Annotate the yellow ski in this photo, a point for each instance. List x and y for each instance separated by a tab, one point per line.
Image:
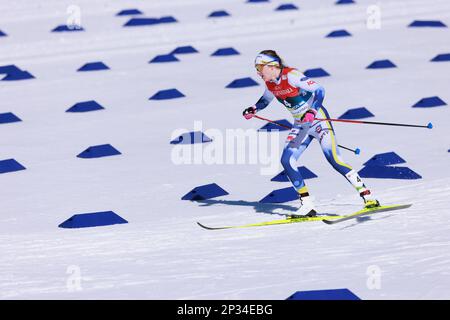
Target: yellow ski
274	222
368	211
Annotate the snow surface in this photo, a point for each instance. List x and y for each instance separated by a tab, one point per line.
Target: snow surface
162	253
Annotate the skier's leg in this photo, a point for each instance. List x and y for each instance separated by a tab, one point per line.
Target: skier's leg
329	145
297	142
291	154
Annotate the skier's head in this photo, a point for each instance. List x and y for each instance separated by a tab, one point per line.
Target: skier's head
268	65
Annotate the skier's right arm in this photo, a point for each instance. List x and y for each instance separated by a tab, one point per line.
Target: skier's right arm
263	102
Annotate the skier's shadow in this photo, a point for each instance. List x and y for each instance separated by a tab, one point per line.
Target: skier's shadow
364	219
266	208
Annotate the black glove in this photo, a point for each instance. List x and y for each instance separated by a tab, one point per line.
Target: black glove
249	112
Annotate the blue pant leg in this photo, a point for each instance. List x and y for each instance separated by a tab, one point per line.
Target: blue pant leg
329	145
291	154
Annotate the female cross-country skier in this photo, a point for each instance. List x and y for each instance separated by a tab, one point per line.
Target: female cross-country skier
303	97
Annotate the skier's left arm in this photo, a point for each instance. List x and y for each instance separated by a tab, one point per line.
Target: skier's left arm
299	80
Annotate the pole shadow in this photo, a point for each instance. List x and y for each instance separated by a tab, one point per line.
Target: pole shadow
266	208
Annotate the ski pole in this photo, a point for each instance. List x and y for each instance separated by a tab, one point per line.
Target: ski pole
428	126
356	151
274	122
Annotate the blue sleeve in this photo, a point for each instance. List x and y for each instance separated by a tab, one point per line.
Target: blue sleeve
264	101
319	95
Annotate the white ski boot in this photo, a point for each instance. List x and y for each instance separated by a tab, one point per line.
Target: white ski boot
355	180
307	208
